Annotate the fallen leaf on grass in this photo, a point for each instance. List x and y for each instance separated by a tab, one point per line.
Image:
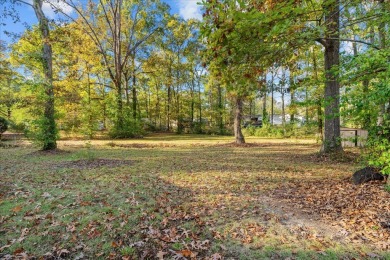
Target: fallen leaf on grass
216	257
63	253
160	255
18	250
17	209
186	253
46	195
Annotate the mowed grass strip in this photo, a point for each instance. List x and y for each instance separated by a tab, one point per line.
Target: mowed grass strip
170	196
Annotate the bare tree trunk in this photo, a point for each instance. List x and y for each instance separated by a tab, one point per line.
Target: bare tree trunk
332	142
237	121
50	131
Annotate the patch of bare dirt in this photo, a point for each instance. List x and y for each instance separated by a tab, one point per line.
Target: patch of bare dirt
345	156
133	145
12	136
362	213
86	164
48	152
233	144
8	145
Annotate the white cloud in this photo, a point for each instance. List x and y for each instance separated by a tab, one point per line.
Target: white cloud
49	11
189	9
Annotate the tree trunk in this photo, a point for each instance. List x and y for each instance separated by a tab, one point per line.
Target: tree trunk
332	142
306	106
118	64
272	99
365	83
237	121
292	97
169	109
382	44
265	116
135	100
220	108
119	106
127	88
250	107
90	119
104	110
192	100
10	100
320	123
50	131
200	103
283	110
134	90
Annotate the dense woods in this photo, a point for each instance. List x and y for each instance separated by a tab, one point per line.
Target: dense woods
125	68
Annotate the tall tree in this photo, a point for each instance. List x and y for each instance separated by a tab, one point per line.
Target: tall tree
331	43
104	23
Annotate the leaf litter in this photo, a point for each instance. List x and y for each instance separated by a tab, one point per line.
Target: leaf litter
184	202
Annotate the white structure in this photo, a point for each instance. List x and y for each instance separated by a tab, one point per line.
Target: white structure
353	137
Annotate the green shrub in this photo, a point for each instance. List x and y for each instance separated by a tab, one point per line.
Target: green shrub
18	127
249	130
270	131
197	127
215	130
379	154
39	131
3	125
277	131
130	129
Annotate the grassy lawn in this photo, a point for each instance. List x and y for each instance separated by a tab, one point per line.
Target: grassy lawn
169	197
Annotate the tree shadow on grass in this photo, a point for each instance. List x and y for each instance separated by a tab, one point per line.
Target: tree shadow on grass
178	202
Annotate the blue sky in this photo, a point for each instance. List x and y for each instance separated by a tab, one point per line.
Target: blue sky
185	8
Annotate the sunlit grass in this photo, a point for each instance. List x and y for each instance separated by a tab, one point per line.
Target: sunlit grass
106	210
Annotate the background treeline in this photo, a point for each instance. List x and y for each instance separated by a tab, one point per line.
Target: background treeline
126	68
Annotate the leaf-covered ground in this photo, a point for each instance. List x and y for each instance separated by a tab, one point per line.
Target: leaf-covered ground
188	197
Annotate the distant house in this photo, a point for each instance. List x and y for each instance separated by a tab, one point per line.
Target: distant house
253	120
353	137
277	120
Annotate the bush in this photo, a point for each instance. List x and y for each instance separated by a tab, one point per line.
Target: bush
39	132
197	127
130	129
249	130
3	125
277	131
18	127
379	154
